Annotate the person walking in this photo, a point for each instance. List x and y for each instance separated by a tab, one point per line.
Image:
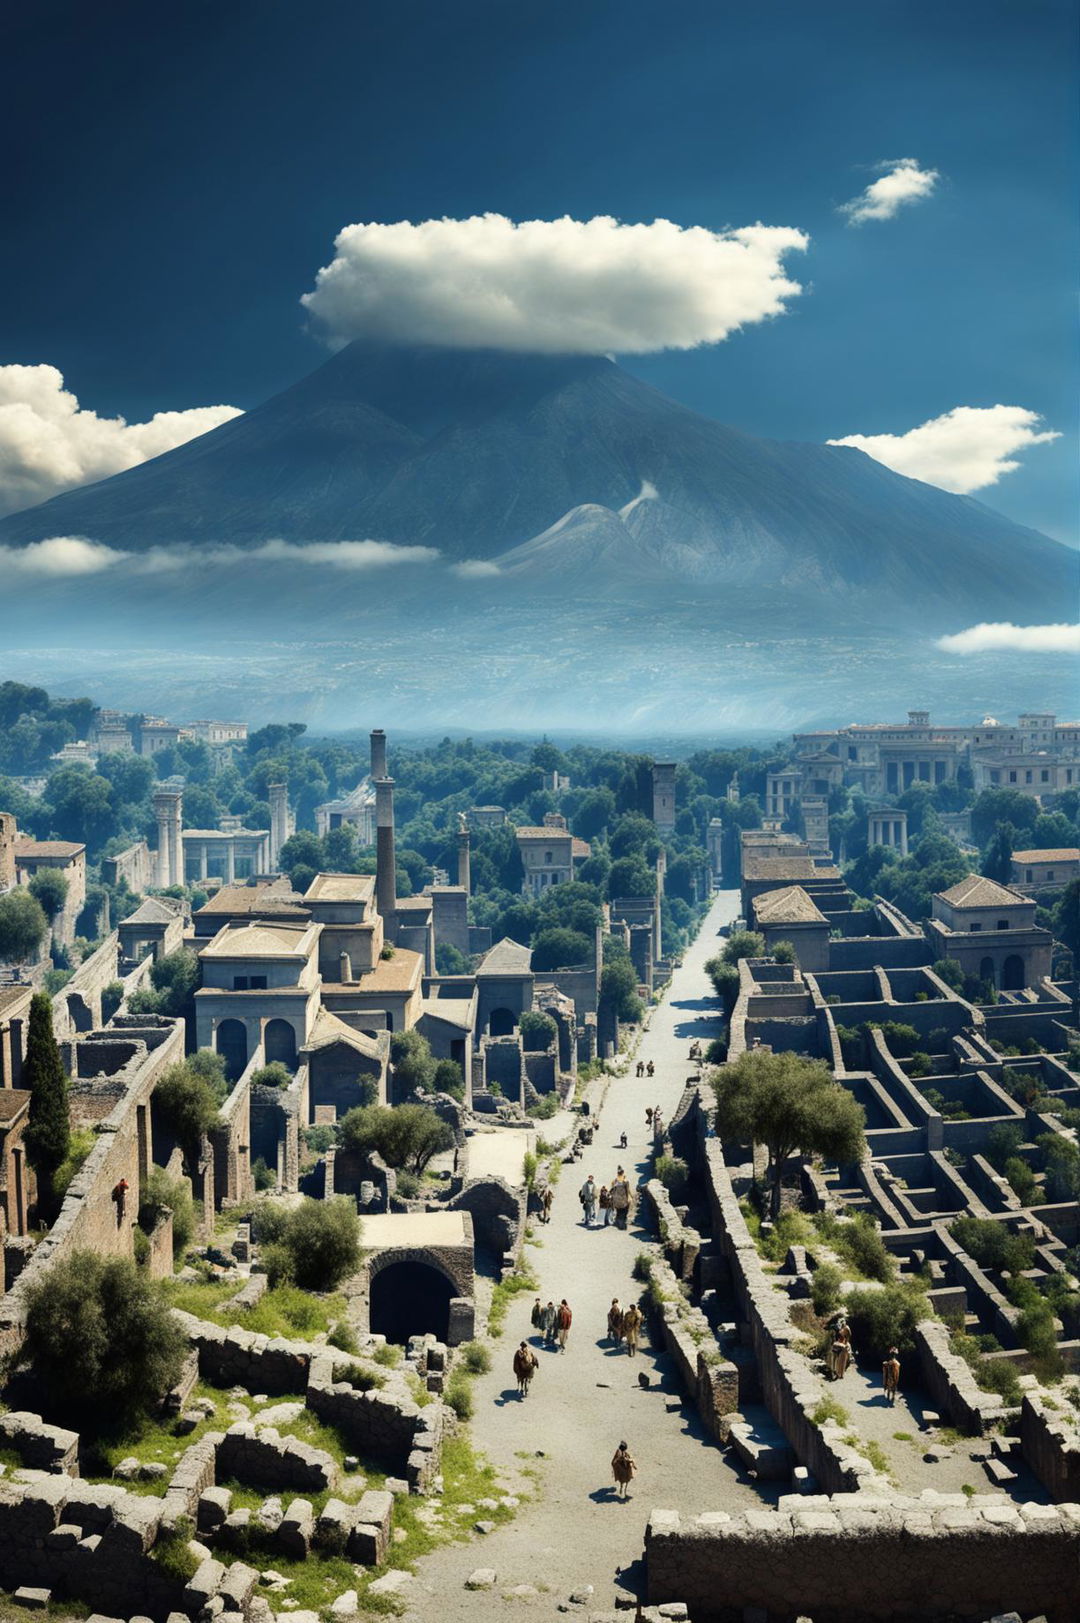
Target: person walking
536	1317
564	1320
549	1321
650	1069
615	1321
840	1350
547	1200
631	1328
623	1469
525	1366
604	1202
619	1196
890	1376
587	1196
648	1114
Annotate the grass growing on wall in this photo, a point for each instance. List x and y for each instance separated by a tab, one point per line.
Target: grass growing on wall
516	1284
284	1311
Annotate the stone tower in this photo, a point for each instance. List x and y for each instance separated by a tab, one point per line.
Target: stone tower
663	796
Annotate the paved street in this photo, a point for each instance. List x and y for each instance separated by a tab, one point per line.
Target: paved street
585	1400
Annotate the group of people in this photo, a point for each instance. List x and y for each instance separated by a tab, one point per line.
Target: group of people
610	1203
839	1354
624	1325
644	1069
553	1322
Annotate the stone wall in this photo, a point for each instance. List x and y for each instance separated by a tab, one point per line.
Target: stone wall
865	1557
1050	1444
498	1214
231	1139
953	1389
133	866
77	1007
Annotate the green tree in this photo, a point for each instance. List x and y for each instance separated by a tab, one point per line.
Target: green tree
274	1075
189	1105
412	1062
996	806
788	1103
560	949
630	876
1066	918
448	1079
48	1132
406	1137
82	805
323	1241
173	980
997	858
162	1193
743	944
783	953
725	979
537	1029
102	1339
50	888
618	992
23	925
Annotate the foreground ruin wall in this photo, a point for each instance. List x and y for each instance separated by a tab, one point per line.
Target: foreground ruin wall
860	1556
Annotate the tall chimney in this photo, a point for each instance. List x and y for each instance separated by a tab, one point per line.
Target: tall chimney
385	859
378	755
278	795
463	857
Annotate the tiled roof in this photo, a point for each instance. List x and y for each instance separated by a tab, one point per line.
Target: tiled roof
1068	853
507	958
978	891
582	848
154	911
543	834
791	905
790	868
328	1029
47	848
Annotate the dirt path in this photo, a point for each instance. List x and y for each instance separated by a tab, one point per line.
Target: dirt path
585	1400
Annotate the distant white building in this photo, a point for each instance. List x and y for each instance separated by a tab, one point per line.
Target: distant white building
355	810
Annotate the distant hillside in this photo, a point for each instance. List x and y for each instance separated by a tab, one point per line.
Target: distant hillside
534	460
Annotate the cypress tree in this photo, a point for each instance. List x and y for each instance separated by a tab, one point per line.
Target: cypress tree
48	1131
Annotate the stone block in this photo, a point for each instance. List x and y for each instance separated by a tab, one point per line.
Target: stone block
204	1582
999	1472
482	1578
34	1600
294	1536
214	1505
64	1537
333	1525
237	1586
346	1605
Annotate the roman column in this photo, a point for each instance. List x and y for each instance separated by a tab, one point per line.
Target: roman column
385	857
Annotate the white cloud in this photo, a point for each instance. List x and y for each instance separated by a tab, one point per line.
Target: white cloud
967	449
588	287
475	568
70	555
904	182
49	443
1003	636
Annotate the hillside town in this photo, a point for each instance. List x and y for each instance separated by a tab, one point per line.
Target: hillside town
342	1092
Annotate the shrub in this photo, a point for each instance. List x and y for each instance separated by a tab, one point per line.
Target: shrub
476	1357
160	1191
459	1397
80	1144
50	888
102	1338
538	1030
545	1107
269	1220
920	1064
743	944
323	1239
448	1079
341	1337
172	1550
1022	1180
412	1062
725	979
48	1132
262	1176
886	1318
825	1288
23	925
673	1173
277	1260
173	980
112	996
642	1269
320	1138
992	1245
140	1243
408	1185
274	1075
717	1052
1002	1142
783	953
859	1241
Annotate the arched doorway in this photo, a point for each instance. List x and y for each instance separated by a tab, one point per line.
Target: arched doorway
986	972
231	1042
410	1299
279	1043
501	1023
1013	977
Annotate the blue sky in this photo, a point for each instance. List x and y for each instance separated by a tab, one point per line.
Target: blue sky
181	172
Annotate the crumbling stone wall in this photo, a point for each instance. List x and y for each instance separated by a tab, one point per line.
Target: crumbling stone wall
498	1214
231	1140
952	1386
1050	1444
869	1557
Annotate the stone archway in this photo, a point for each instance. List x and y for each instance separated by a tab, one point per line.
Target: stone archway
231	1042
1013	975
279	1043
501	1023
409	1298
